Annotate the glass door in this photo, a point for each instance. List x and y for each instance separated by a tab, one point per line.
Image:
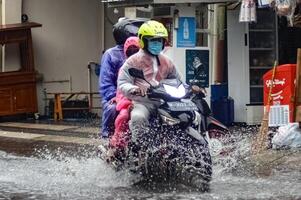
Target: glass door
262	51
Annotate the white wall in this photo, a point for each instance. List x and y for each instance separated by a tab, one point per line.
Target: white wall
69	38
110	19
238	71
11	14
178	54
11	10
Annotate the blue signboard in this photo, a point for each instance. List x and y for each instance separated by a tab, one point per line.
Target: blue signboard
197	67
186	32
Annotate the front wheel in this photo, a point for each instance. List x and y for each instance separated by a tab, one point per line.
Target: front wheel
198	163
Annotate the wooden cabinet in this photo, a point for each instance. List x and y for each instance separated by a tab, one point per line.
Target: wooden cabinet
25	98
17	93
18	99
6	101
18	88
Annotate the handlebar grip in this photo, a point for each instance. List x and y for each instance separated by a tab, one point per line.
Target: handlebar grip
136	93
141	93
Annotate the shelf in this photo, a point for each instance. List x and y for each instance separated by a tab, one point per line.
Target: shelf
261	30
256	103
256	86
260	67
261	49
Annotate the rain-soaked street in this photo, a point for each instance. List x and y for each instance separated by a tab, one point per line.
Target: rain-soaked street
50	173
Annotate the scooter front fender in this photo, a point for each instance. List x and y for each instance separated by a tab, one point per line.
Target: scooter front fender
211	120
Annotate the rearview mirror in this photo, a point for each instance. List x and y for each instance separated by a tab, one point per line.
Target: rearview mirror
137	73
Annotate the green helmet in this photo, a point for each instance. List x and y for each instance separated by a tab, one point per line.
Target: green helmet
151	29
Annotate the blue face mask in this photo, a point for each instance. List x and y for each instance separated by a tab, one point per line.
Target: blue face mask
155	47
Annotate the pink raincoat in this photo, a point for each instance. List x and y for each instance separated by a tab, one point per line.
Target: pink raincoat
123	105
120	137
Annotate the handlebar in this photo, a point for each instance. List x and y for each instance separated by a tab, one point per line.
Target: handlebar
153	93
135	93
138	93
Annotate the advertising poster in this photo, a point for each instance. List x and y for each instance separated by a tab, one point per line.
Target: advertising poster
186	32
197	67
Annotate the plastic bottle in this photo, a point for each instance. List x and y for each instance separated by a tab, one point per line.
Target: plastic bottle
186	29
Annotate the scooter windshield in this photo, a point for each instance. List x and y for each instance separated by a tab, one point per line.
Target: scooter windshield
177	92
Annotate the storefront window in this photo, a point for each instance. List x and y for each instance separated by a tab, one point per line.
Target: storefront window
202	26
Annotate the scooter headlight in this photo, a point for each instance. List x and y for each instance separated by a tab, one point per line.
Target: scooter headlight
177	92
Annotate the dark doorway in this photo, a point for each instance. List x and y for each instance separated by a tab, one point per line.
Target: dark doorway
289	38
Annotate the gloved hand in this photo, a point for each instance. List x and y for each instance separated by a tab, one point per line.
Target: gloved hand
196	90
112	101
138	92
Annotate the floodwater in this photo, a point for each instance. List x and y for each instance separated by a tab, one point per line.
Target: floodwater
51	174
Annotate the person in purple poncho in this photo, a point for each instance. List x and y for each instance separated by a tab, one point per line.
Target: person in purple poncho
111	61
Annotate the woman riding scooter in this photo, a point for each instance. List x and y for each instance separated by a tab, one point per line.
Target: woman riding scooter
156	67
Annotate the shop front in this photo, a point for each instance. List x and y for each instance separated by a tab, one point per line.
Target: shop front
252	50
193	33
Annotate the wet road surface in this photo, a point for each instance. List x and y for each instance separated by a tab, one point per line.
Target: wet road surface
52	173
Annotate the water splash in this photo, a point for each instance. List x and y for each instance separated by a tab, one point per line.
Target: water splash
55	174
234	177
59	176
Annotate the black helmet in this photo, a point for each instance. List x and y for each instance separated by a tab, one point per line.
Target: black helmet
126	28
